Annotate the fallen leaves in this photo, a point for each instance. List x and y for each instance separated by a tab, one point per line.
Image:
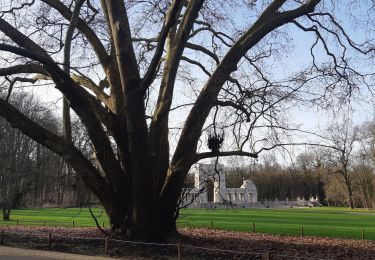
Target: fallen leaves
282	245
248	245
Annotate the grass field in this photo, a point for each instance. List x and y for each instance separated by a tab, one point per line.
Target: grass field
57	217
333	222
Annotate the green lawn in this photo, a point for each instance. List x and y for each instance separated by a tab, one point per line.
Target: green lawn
335	222
56	217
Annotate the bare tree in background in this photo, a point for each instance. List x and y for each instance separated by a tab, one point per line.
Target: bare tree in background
365	164
363	182
344	137
311	170
121	65
20	166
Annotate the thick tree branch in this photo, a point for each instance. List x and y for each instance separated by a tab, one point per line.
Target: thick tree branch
135	135
29	68
125	56
112	72
35	68
67	124
201	156
159	124
176	48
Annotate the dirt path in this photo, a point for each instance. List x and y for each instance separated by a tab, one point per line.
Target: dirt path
11	253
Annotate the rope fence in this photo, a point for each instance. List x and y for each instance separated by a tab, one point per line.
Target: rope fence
301	231
297	230
115	247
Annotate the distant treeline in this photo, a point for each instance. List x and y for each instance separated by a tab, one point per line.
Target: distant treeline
30	174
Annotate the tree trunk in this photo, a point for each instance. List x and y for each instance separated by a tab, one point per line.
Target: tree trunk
351	204
156	226
321	192
6	214
122	221
350	195
168	201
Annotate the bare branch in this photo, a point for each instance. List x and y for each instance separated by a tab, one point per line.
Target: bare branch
11	10
171	18
266	23
21	39
294	144
194	62
204	50
85	29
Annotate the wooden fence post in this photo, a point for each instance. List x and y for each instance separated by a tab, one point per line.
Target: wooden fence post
106	245
302	233
49	241
17	222
179	251
253	227
2	237
103	224
363	234
73	223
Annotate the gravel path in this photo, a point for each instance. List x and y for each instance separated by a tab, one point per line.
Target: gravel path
11	253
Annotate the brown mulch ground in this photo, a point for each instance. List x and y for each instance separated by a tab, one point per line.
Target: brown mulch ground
193	241
309	247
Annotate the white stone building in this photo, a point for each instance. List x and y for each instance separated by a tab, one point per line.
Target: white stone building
210	187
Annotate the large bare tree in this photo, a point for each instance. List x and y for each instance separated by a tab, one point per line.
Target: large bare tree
121	65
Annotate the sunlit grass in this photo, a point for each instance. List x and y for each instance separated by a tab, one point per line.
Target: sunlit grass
330	222
57	217
326	221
